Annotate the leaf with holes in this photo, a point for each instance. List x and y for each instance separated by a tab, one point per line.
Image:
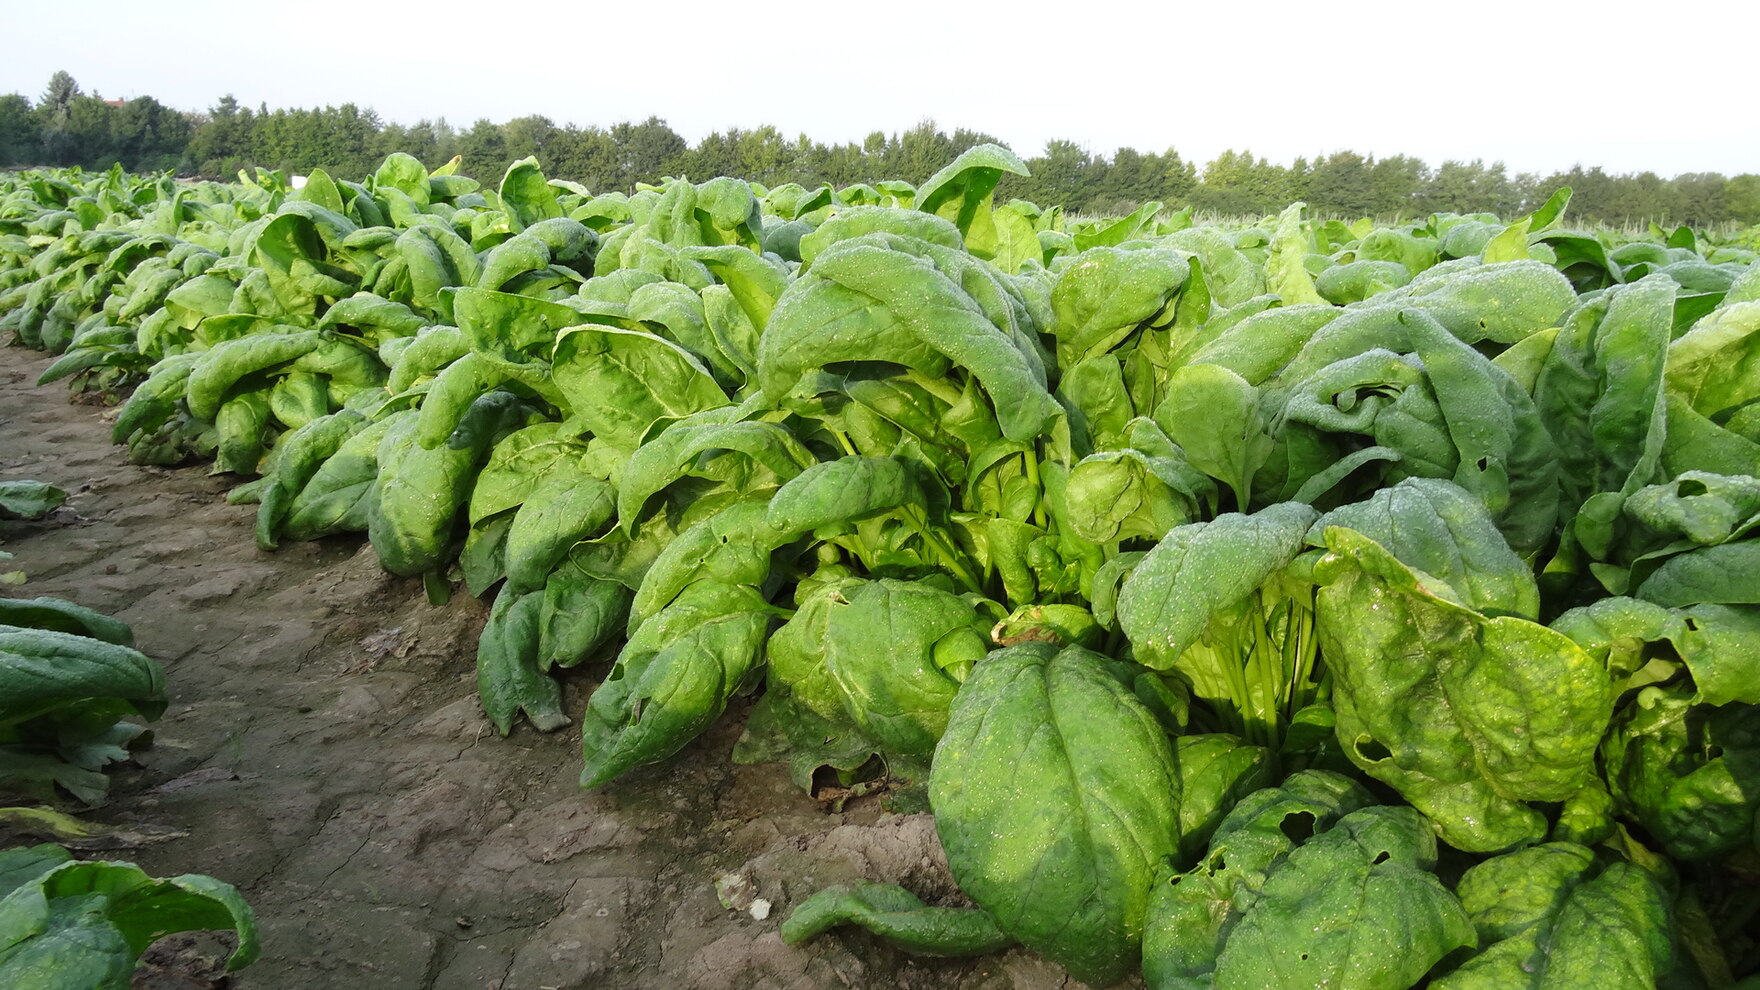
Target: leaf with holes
1304	886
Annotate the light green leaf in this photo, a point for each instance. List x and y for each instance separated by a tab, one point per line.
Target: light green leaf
1468	717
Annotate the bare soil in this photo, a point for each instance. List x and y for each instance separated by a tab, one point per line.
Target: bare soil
324	751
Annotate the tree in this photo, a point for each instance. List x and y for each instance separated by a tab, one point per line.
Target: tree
1237	184
586	156
1341	183
1395	184
592	158
716	154
922	151
1179	178
445	140
1639	197
1062	173
963	141
1465	187
55	120
879	151
649	150
84	136
1496	194
147	136
761	155
223	143
1129	180
1297	177
1698	197
845	165
20	133
1591	191
1741	198
61	91
483	149
68	126
527	136
1527	189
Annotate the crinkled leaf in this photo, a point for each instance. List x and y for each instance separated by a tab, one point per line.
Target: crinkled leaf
42	670
509	678
887	299
25	864
1201	569
1445	405
1715	366
1600	391
1355	906
1107	293
960	191
565	508
673	678
526	197
883	648
1054	793
1121	494
1214	415
580	615
1700	506
780	729
618	382
1502	302
1468	717
512	330
1719	644
61	615
1215	772
1689	773
1436	527
1191	914
519	462
842	491
1548	918
1285	272
771	451
733	546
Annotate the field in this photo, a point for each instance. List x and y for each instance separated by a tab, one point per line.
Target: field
1087	600
326	752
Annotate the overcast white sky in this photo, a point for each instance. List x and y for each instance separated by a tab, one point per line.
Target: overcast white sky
1667	87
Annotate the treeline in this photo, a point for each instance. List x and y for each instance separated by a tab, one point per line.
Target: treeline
68	127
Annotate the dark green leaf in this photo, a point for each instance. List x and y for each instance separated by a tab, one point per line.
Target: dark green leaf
673	678
1054	793
1201	569
1549	917
894	913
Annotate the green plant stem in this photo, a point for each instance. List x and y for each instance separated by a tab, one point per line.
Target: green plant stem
952	559
1265	651
1031	457
1230	661
948	554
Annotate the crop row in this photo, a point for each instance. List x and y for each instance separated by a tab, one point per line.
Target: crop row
1301	604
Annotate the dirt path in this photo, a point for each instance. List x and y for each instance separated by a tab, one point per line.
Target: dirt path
324	751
